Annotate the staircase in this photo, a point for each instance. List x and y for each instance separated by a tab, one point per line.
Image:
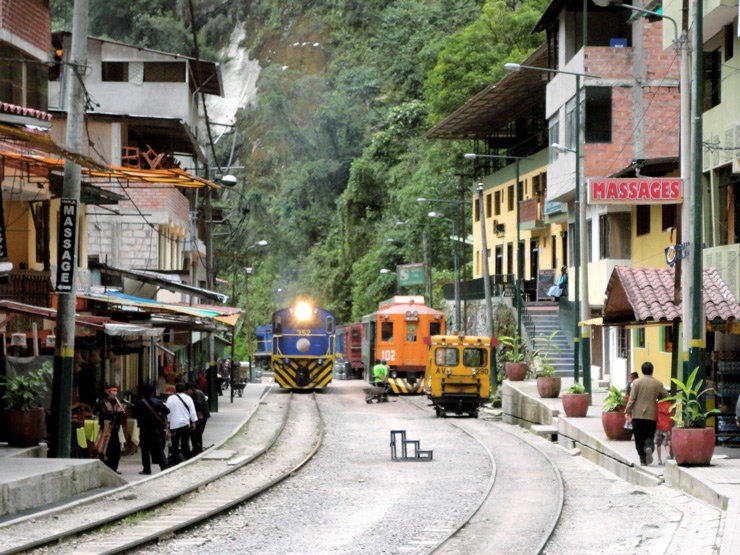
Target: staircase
545	318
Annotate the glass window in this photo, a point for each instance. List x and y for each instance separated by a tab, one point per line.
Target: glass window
640	338
329	324
570	123
510	198
474	357
164	72
553	136
446	356
410	332
488	206
667	336
114	71
386	331
435	328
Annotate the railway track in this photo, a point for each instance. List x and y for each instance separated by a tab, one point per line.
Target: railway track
523	502
280	437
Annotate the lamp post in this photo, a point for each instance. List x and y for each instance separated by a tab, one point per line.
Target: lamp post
519	261
581	253
455	261
248	271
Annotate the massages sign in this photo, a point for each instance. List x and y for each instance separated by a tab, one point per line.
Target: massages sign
635	190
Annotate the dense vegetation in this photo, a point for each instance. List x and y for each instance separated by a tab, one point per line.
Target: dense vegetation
332	150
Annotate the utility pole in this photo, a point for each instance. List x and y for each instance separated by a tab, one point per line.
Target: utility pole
66	286
484	256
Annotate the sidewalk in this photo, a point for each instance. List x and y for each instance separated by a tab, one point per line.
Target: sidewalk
717	484
35	482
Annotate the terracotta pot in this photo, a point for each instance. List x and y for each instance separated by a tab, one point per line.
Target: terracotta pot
516	371
26	428
613	423
692	446
575	405
548	387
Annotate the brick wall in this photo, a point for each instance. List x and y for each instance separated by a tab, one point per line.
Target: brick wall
30	20
157	196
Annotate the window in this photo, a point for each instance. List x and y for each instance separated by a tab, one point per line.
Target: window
114	71
554	252
488	206
564	246
598	115
435	328
499	259
23	81
666	339
410	332
571	135
614	234
386	331
510	198
474	357
623	343
669	216
521	186
509	258
476	210
642	215
329	324
729	42
553	136
164	72
446	356
497	203
711	86
639	338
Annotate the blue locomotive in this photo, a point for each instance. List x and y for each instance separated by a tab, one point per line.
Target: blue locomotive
303	346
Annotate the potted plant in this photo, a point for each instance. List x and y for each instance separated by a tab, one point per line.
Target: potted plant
516	367
613	417
692	441
576	401
548	385
26	419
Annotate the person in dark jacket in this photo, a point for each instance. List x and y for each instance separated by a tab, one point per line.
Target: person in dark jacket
110	414
642	410
151	414
201	409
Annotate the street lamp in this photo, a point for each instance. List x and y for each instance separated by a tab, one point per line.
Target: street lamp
519	261
581	253
455	259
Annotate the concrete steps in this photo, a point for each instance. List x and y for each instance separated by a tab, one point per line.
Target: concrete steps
560	352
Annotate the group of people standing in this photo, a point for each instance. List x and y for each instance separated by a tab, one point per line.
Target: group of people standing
181	418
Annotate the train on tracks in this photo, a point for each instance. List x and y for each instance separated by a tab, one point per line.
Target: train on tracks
395	333
303	346
458	373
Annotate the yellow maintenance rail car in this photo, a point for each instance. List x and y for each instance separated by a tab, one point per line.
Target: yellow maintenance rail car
458	373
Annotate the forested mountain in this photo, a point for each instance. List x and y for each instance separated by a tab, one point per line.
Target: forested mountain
332	148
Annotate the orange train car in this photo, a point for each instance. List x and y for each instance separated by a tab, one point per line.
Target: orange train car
396	333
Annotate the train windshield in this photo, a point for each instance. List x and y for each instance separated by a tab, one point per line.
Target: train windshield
474	357
435	328
386	331
446	356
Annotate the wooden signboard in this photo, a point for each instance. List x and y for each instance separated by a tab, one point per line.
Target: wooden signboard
545	280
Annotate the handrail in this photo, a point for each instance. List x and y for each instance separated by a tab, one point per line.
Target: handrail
527	321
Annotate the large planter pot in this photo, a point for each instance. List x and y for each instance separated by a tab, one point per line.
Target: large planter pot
548	387
575	405
692	446
516	371
26	428
613	423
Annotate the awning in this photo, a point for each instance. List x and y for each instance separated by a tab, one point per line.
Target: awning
646	295
227	315
51	314
129	330
162	280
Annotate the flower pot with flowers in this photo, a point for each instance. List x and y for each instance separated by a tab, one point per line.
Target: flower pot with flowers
26	418
613	417
548	385
514	353
692	441
575	401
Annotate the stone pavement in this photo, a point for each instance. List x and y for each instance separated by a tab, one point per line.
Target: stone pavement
717	484
29	481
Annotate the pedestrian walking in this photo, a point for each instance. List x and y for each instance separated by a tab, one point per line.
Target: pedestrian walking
110	416
642	410
182	420
632	378
151	414
202	412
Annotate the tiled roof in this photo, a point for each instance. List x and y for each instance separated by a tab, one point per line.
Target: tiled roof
641	294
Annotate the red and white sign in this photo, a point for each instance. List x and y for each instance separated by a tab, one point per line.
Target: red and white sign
636	190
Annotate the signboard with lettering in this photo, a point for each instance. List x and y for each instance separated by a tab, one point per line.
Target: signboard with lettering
66	245
410	274
545	280
676	252
635	190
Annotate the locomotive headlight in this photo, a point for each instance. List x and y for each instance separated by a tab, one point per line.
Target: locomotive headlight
449	371
473	371
320	361
303	311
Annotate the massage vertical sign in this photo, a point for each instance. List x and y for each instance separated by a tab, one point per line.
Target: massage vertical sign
635	190
66	245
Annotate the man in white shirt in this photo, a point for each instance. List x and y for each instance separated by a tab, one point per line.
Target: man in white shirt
182	419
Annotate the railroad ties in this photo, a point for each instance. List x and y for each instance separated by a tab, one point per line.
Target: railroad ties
416	455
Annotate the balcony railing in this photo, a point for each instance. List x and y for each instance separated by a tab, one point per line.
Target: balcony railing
28	287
